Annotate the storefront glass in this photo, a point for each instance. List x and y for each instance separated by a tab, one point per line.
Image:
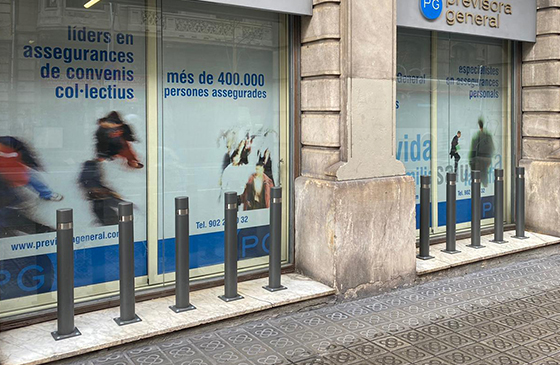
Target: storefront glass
126	102
223	73
447	84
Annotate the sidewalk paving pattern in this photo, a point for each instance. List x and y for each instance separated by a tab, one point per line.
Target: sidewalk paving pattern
499	316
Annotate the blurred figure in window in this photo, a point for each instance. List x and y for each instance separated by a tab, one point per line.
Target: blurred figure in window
104	200
267	163
482	151
19	167
114	138
14	220
257	190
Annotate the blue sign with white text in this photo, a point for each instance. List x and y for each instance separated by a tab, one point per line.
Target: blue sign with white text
431	9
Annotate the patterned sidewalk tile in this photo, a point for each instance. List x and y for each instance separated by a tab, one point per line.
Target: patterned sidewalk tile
501	316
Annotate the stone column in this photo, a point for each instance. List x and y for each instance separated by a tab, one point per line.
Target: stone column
541	121
355	226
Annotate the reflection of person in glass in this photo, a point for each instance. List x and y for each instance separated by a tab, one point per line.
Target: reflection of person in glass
19	167
114	138
257	190
454	149
482	150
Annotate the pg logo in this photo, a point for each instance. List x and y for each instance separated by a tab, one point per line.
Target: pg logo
431	9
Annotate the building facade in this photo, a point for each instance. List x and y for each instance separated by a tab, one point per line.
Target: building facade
342	103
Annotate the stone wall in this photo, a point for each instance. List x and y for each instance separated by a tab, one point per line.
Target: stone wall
541	120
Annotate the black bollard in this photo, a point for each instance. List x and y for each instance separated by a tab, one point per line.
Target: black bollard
230	243
499	207
126	266
451	224
182	261
275	248
475	210
520	204
65	276
424	219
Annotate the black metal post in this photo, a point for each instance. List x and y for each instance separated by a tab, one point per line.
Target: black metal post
65	276
520	204
451	213
182	260
498	207
230	243
275	247
126	266
424	219
475	210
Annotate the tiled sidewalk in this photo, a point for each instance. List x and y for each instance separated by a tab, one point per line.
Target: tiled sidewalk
508	315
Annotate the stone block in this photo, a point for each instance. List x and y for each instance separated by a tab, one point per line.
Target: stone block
545	99
357	236
315	161
320	58
371	131
320	94
542	196
543	4
541	149
541	125
373	30
321	130
324	24
548	21
547	47
541	73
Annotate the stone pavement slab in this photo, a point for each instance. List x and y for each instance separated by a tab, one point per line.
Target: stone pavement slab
467	255
505	315
35	345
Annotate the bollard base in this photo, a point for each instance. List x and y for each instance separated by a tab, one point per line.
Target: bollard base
476	246
272	290
180	310
424	257
500	242
520	237
58	337
120	322
453	252
227	300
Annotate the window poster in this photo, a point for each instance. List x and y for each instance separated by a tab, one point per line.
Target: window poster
221	109
72	135
469	128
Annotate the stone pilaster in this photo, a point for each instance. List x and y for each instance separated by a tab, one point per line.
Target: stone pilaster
354	211
541	120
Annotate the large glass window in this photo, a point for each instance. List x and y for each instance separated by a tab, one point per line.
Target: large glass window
224	82
453	115
124	101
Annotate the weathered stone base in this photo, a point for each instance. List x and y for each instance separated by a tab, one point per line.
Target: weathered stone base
356	236
542	196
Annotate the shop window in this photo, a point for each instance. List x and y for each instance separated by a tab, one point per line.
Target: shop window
127	102
447	84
